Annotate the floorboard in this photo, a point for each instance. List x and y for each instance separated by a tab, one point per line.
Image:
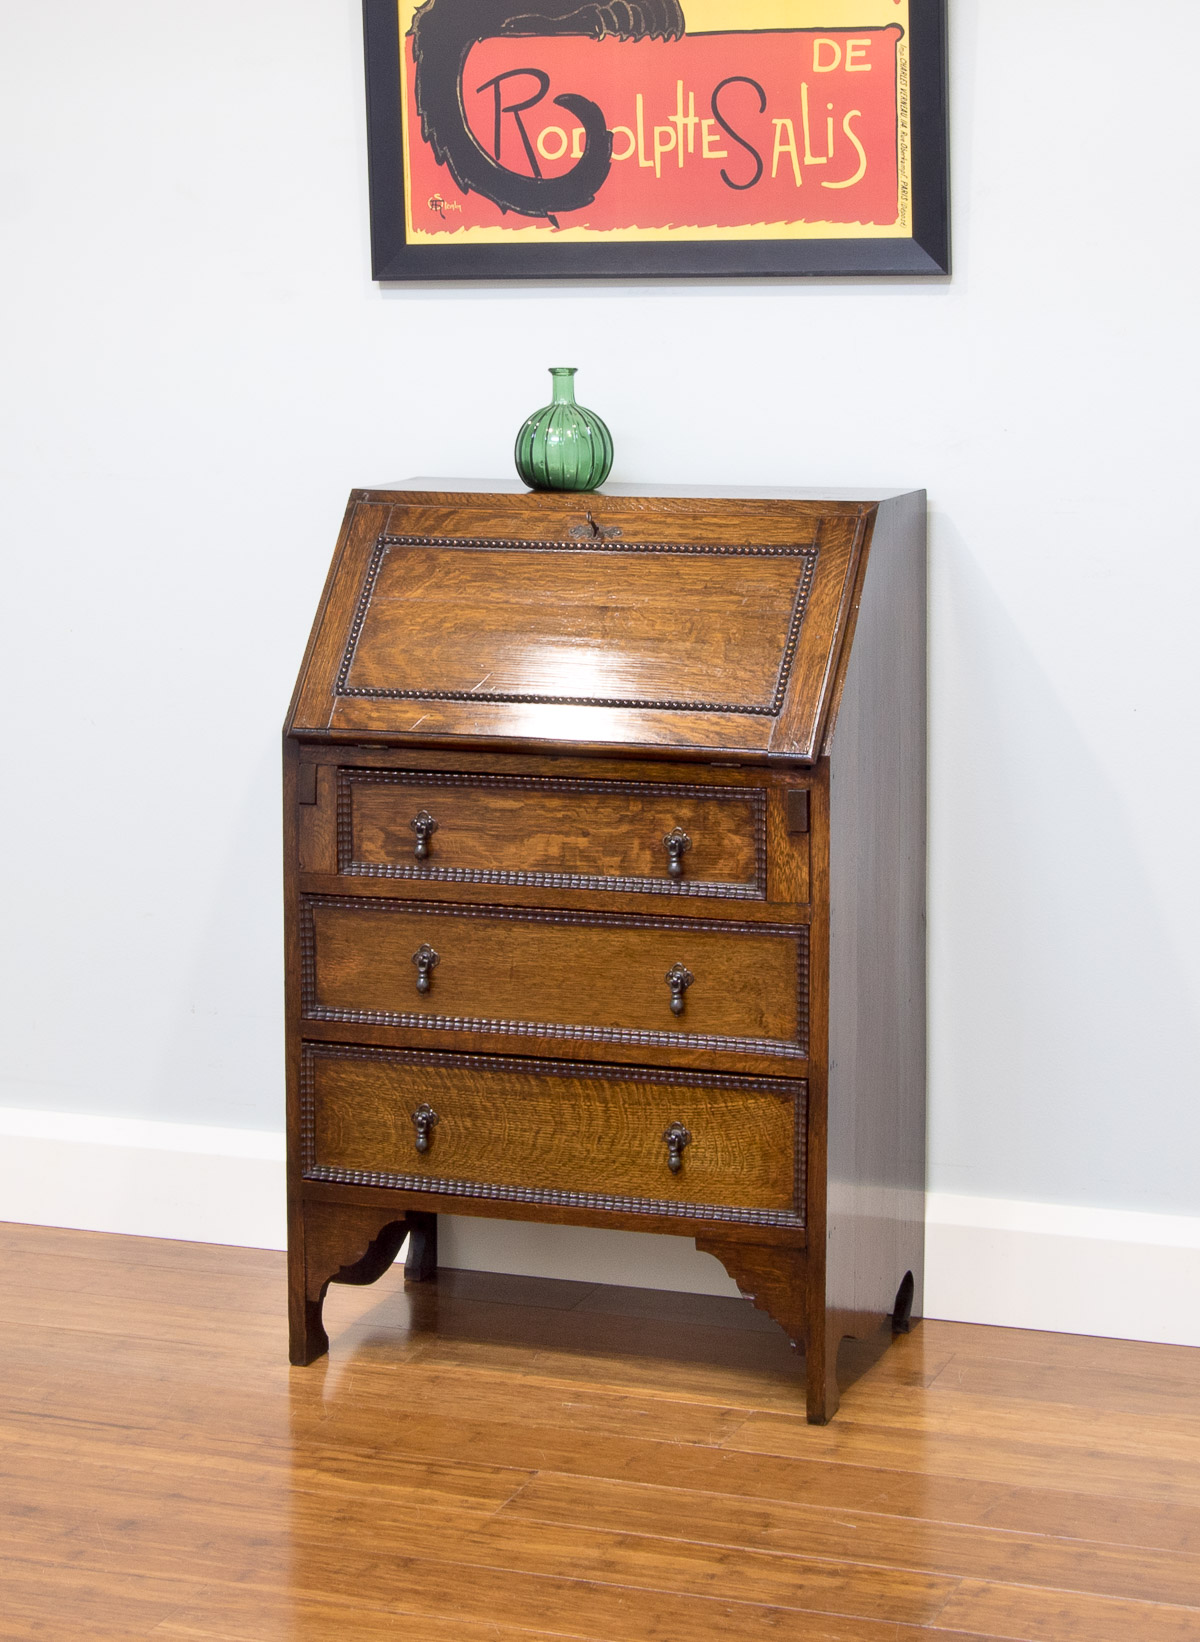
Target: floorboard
499	1459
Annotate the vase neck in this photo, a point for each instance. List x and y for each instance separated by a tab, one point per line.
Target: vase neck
563	378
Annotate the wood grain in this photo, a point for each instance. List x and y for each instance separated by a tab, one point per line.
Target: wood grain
429	626
645	628
565	975
504	712
545	1472
950	1549
721	795
876	1089
552	1129
504	827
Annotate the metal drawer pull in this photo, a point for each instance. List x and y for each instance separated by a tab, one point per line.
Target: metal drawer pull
676	843
424	1120
678	979
424	826
676	1137
426	960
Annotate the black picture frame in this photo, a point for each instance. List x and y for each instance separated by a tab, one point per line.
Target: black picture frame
927	252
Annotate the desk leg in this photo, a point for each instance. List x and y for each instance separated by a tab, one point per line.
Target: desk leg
821	1385
773	1276
421	1262
332	1243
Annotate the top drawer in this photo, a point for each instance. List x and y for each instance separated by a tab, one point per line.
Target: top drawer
651	837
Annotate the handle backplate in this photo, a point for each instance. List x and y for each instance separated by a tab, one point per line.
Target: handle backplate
424	1120
678	979
676	1137
424	826
426	960
676	843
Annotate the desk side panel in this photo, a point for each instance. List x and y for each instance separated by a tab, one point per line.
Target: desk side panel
877	1052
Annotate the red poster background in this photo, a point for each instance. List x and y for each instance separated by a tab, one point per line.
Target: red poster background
674	164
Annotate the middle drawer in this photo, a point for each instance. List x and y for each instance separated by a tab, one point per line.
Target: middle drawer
587	977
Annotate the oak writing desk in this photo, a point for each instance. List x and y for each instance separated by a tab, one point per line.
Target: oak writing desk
605	823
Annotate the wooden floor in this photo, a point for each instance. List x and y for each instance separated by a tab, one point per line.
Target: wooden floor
500	1460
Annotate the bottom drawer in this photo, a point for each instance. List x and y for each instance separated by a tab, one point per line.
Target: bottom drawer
556	1132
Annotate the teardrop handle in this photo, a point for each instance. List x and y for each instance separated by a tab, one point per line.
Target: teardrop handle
426	960
424	826
676	1138
676	843
424	1121
678	979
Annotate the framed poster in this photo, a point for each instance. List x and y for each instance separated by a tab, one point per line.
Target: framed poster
518	139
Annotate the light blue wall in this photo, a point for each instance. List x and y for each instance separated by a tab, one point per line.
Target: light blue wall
200	369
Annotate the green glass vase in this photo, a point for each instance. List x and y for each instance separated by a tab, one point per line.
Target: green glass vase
563	446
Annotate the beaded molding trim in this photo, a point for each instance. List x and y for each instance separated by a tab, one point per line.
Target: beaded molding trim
348	866
445	1186
789	1049
807	552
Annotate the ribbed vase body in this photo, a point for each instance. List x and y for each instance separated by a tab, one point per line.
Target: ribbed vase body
563	446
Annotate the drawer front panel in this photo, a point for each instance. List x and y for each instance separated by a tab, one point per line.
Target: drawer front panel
557	1133
563	834
556	974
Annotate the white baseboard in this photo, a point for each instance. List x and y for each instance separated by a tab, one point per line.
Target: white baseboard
586	1254
183	1181
1067	1270
988	1260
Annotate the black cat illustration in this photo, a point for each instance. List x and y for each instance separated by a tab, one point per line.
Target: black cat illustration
444	32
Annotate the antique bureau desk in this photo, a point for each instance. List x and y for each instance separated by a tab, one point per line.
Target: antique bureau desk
605	832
